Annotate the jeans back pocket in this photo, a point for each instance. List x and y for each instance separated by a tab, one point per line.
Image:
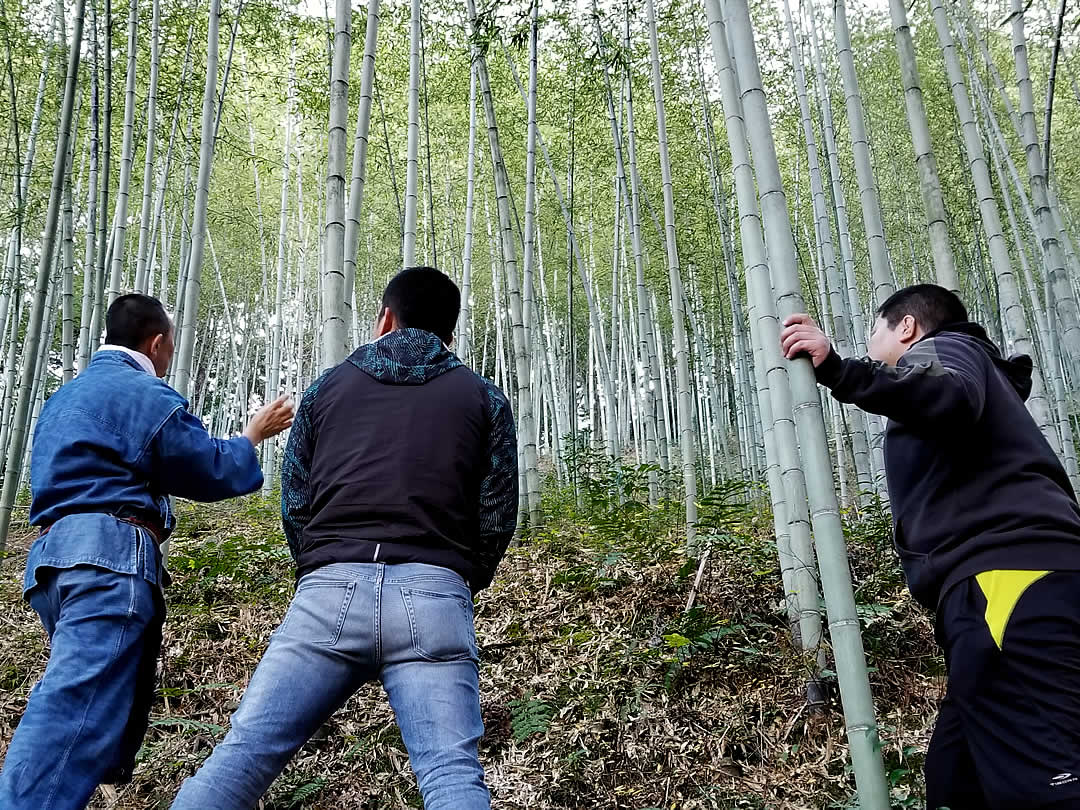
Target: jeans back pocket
318	612
441	624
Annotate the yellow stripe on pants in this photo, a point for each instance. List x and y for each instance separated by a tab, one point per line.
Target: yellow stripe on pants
1003	590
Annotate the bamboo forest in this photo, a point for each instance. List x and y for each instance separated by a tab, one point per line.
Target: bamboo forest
702	606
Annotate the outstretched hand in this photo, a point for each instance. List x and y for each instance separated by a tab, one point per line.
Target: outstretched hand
270	420
801	335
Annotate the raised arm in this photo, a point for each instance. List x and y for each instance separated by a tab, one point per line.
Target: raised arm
188	462
938	385
931	387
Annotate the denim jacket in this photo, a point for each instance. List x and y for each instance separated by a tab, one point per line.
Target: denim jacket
117	442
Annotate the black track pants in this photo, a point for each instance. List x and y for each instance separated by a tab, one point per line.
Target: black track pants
1008	734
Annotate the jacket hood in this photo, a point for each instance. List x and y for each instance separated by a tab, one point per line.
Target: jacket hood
405	357
1017	368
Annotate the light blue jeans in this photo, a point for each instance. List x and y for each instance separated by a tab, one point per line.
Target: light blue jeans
409	626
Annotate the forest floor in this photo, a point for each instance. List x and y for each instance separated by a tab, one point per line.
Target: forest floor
598	690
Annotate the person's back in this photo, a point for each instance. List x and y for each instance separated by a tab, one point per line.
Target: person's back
399	498
399	452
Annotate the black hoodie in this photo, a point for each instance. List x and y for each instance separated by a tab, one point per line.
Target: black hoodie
974	485
401	454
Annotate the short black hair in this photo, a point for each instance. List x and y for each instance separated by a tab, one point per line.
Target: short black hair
931	306
133	319
424	298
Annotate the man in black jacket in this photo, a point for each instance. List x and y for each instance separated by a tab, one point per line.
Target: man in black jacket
399	498
988	531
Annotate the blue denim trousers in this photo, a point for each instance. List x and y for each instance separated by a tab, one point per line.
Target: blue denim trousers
409	626
82	722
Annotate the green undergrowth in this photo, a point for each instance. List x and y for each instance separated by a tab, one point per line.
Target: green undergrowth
598	688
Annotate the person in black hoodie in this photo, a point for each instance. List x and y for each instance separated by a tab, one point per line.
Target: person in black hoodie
399	497
987	528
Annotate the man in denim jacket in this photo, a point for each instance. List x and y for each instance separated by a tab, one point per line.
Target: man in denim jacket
399	497
109	449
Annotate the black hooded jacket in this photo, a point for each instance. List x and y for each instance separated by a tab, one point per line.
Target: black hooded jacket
974	485
401	454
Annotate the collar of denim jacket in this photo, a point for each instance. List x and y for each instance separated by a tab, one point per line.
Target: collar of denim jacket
144	362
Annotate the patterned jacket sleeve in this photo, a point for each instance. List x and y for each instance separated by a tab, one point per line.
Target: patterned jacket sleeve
296	471
499	489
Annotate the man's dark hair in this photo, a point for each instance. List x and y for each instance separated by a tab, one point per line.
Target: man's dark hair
931	306
424	298
133	319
